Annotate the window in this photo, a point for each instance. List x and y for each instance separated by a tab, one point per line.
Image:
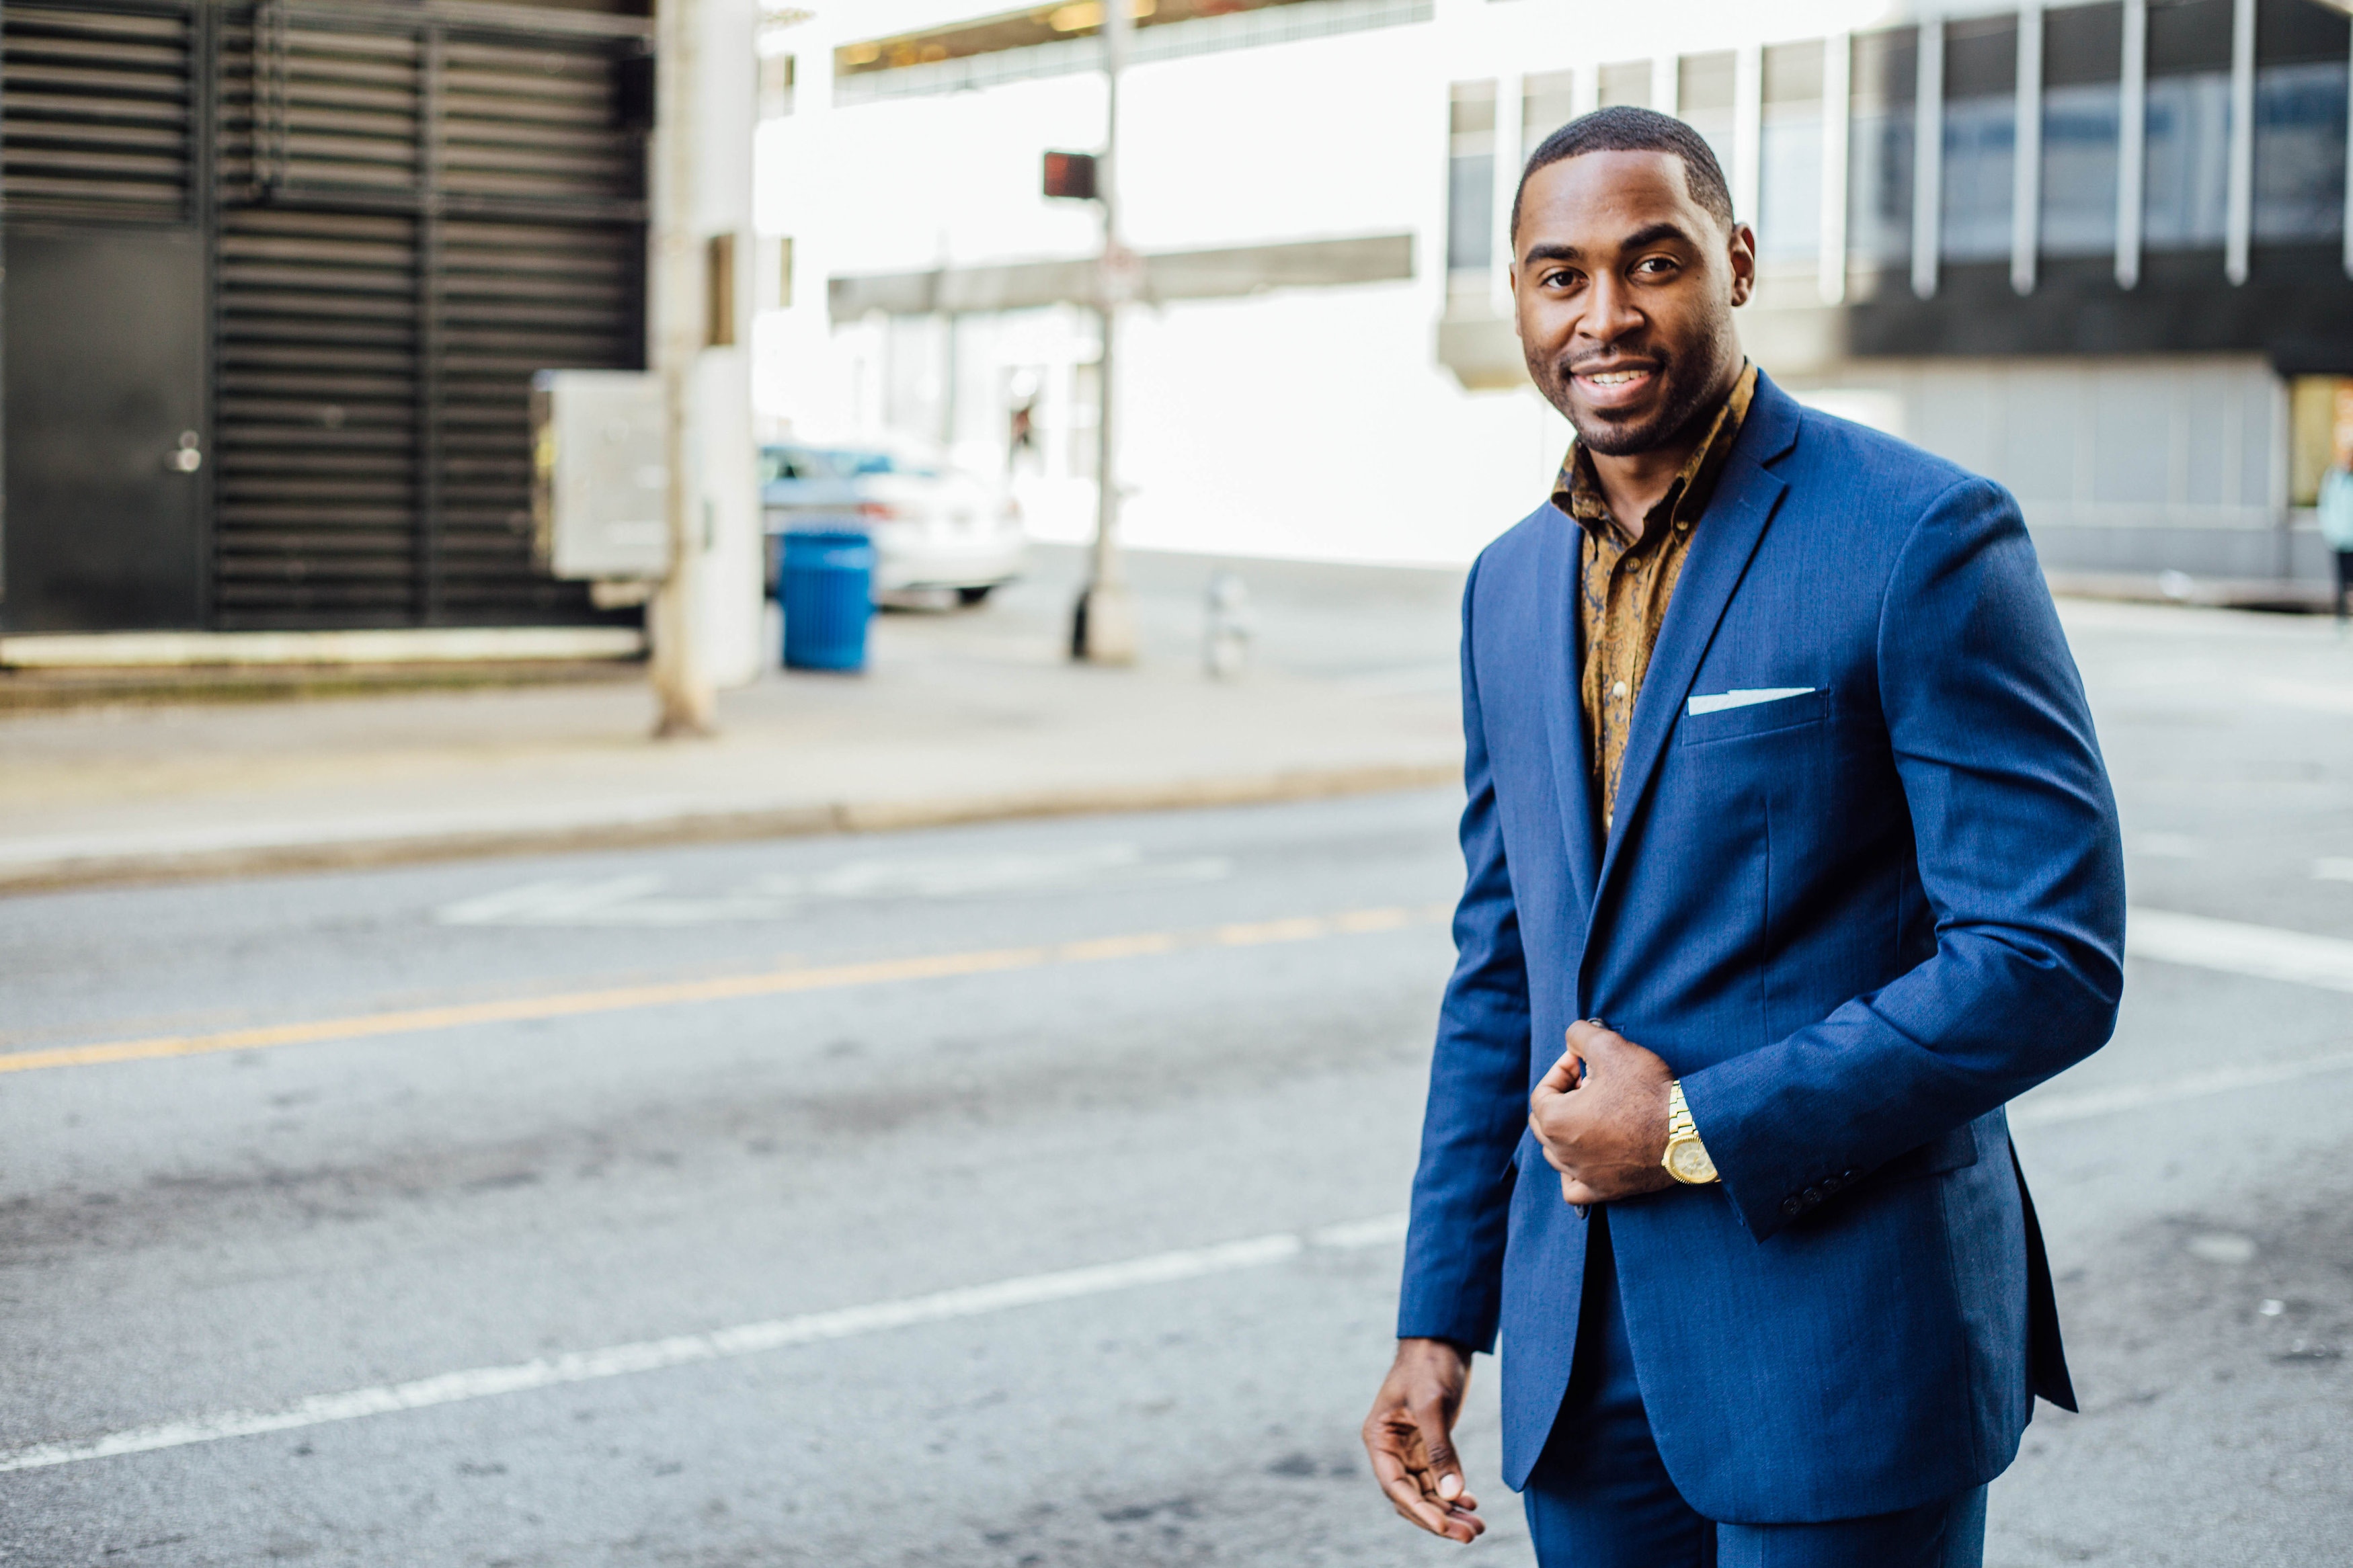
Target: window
2082	65
1980	138
1704	91
2320	412
2189	123
1879	148
1548	102
775	86
1471	182
1788	215
1629	82
2300	109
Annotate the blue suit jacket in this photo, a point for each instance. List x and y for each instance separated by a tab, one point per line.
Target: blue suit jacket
1856	921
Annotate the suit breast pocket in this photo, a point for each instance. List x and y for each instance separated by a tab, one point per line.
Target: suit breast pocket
1765	718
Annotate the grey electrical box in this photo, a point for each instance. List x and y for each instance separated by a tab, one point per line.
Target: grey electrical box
600	484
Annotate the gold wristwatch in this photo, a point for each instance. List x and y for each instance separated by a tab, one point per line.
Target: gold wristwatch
1686	1160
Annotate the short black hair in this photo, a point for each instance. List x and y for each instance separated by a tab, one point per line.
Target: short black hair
1622	128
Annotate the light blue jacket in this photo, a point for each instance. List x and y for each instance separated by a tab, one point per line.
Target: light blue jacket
2337	509
1857	918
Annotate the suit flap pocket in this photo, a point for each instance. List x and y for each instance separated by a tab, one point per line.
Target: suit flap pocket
1752	718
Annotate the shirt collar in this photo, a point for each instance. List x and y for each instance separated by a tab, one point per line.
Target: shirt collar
1577	491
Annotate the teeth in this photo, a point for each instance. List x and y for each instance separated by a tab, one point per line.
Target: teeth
1616	377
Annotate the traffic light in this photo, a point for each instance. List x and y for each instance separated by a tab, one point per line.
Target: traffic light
1072	175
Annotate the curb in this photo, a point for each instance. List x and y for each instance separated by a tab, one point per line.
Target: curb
713	828
29	691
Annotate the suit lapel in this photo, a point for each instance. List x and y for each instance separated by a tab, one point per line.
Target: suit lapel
1725	540
1563	711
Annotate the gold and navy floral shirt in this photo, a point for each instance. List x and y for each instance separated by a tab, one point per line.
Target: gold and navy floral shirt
1624	583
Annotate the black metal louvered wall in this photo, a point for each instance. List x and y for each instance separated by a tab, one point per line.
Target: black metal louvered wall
97	113
411	208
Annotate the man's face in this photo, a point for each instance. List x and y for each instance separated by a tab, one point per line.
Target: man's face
1623	288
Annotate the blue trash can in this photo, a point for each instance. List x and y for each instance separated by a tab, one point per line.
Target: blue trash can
825	587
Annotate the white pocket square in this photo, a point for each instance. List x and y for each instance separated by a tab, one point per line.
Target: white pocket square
1724	700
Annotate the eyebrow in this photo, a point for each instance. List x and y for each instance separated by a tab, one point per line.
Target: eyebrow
1641	238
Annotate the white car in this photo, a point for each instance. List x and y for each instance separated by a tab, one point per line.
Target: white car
935	528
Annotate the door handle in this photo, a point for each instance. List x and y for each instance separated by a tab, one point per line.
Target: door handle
188	456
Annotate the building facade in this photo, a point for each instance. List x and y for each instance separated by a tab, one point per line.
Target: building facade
277	278
2097	251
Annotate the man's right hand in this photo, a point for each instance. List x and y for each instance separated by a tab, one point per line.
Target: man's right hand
1409	1437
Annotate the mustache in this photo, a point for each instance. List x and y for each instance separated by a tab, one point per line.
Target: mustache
1612	359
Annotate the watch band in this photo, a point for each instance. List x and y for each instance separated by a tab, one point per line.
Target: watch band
1686	1158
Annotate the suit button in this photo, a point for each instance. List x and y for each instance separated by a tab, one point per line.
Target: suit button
1792	1207
1832	1183
1813	1194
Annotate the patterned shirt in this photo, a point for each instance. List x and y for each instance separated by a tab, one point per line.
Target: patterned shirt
1624	584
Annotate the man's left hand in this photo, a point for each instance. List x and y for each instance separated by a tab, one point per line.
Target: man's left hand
1602	1115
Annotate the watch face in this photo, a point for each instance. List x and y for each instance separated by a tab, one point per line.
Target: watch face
1687	1161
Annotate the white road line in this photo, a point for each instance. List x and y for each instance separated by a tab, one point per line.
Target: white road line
684	1350
2266	952
2042	1111
2263	952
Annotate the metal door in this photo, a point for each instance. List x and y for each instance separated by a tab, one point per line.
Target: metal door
105	367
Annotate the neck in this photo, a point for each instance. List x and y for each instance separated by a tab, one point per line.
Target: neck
1634	482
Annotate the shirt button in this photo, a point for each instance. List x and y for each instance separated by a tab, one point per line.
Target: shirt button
1619	689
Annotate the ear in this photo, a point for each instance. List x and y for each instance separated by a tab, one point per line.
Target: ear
1741	251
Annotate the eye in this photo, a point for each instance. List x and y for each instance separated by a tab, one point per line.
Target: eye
1656	265
1558	278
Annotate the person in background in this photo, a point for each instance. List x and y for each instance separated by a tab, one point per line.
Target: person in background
2337	503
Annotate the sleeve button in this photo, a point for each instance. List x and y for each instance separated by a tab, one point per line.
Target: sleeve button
1792	1205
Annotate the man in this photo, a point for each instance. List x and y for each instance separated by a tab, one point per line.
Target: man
1779	763
2337	501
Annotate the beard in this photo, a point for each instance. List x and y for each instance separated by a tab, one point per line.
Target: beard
1688	383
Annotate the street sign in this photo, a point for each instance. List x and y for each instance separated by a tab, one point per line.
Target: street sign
1071	175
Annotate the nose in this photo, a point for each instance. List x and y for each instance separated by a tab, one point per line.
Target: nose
1610	314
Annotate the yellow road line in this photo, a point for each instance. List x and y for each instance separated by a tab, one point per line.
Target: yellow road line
723	988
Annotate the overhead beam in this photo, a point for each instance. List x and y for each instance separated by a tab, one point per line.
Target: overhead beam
1225	273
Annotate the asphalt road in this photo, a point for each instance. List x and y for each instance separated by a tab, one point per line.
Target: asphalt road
473	1266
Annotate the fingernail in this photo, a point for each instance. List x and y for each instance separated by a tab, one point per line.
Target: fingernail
1450	1487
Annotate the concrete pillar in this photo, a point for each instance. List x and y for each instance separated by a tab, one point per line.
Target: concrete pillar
1838	120
1748	128
2132	143
2026	165
1511	105
1928	157
2239	213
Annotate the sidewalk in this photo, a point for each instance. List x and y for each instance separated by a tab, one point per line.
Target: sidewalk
962	716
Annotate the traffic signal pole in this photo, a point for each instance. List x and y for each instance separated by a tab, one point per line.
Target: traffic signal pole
1103	626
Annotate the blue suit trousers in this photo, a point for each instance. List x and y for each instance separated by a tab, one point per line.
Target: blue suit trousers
1601	1498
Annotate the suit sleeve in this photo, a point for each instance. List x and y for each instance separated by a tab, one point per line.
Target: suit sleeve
1477	1106
2019	861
